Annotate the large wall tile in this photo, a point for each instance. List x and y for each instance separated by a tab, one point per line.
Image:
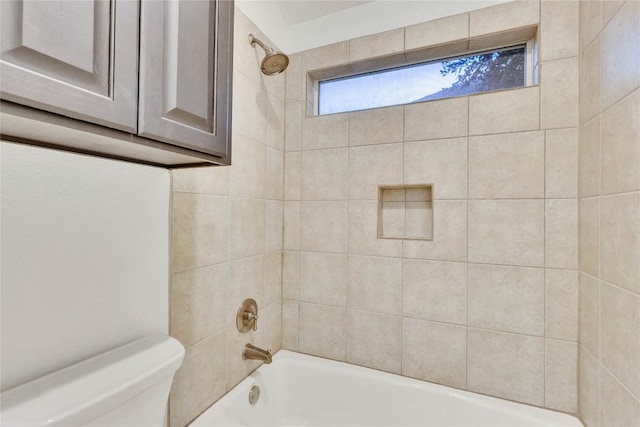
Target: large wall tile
249	168
376	126
323	278
272	278
507	166
363	232
292	175
559	93
246	280
374	340
507	232
199	303
330	131
561	376
434	352
445	118
199	231
325	56
435	290
290	325
274	188
620	69
621	146
561	159
506	365
293	126
378	44
589	386
213	181
270	335
507	299
590	21
589	232
293	79
561	241
590	81
589	314
237	368
618	406
197	383
291	220
322	331
275	111
589	158
609	9
512	15
438	31
324	174
274	226
323	226
449	234
620	338
559	22
620	240
372	166
248	100
442	163
247	227
514	110
561	304
375	284
291	275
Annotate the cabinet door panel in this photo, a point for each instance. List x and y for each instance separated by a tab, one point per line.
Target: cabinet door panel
185	90
61	56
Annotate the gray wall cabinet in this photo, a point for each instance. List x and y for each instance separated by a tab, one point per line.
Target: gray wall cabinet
185	58
157	71
61	56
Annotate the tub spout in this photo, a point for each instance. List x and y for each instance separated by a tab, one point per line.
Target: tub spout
255	353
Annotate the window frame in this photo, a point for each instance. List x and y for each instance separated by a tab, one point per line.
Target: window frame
337	73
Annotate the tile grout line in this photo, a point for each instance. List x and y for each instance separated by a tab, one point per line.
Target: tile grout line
599	115
402	246
466	329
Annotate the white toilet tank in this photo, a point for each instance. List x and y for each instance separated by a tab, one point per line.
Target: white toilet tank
125	387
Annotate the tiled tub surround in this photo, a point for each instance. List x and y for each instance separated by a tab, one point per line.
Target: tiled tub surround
227	241
609	376
502	269
490	304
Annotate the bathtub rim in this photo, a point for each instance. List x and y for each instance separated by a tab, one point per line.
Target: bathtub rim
551	417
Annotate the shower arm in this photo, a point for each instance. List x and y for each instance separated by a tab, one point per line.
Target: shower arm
253	40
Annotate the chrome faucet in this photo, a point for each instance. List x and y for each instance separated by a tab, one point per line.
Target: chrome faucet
255	353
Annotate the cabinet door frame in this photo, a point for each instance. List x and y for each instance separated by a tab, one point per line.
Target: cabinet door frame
153	121
116	109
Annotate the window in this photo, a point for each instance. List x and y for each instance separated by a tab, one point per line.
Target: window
463	75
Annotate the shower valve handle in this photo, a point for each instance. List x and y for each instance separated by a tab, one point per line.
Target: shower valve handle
251	318
247	316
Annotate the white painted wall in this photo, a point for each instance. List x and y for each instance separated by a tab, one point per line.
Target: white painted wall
295	26
84	257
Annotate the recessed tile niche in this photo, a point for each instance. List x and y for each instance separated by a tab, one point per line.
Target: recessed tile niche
405	212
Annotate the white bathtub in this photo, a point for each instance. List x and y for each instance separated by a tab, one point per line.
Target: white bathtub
301	390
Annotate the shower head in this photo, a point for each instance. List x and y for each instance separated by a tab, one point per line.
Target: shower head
273	62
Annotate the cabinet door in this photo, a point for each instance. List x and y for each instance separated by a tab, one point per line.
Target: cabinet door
185	73
75	58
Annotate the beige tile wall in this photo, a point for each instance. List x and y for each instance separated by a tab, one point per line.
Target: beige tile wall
496	319
609	228
491	304
227	241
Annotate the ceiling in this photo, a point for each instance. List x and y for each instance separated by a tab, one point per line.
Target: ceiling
295	12
297	25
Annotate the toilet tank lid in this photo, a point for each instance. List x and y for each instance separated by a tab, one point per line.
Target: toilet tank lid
86	390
